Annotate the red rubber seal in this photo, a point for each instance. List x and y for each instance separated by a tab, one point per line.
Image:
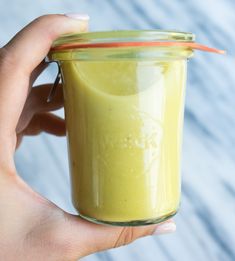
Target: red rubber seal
191	45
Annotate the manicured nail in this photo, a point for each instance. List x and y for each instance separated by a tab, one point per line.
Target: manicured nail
165	228
83	17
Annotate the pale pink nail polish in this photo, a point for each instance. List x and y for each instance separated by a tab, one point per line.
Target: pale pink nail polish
83	17
165	228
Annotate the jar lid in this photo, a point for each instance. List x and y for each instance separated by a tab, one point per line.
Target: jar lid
135	38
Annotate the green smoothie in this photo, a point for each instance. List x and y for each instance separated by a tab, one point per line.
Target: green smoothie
124	121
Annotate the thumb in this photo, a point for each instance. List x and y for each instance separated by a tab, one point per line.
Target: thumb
84	238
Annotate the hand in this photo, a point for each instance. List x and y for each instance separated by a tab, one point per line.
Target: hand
32	228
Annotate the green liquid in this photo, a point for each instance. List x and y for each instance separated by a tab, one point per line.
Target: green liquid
124	122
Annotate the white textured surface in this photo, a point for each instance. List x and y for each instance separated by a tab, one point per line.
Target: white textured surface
206	222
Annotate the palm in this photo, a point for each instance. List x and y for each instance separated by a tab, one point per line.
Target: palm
43	227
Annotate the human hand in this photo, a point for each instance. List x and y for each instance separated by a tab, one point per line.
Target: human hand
32	228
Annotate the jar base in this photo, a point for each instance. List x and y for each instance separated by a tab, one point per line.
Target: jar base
132	223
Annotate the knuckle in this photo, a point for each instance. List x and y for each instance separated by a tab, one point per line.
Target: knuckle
48	24
125	237
48	19
3	52
44	18
7	60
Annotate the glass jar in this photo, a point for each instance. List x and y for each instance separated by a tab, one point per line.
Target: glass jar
124	102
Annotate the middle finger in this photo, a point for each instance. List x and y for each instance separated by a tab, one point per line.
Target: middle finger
37	103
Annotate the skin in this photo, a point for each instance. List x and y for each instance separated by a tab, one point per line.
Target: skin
32	228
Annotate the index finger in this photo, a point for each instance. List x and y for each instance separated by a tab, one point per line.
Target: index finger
28	48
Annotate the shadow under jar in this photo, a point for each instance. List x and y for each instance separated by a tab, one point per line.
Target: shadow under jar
124	103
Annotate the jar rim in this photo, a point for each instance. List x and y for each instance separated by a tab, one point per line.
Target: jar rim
129	38
123	36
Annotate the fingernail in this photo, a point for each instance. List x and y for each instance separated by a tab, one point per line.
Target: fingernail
83	17
165	228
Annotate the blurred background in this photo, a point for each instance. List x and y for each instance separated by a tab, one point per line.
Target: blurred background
206	220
